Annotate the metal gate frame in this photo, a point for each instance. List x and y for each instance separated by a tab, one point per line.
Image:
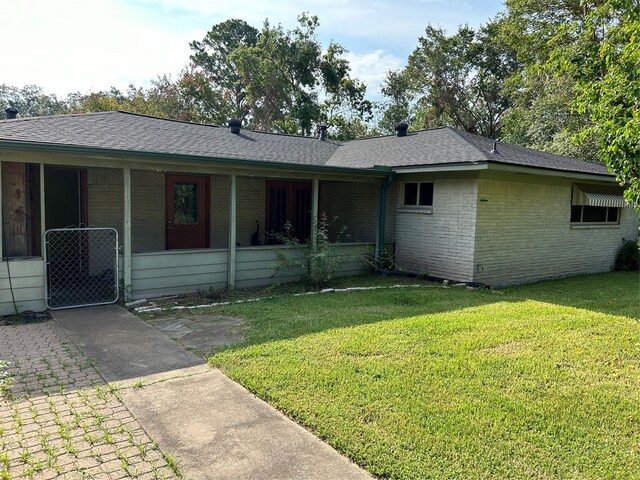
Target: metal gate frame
48	270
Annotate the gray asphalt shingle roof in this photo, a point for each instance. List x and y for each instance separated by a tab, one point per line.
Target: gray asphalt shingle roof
446	145
139	133
127	131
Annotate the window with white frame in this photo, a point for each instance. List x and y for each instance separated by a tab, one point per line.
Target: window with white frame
418	194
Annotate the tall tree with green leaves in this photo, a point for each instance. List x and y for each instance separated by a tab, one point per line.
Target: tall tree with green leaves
214	81
456	80
277	80
30	101
604	61
542	115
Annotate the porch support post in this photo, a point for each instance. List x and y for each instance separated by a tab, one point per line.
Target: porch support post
315	187
127	234
382	214
231	269
43	222
1	221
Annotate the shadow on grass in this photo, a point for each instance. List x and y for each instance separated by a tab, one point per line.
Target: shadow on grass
287	317
614	293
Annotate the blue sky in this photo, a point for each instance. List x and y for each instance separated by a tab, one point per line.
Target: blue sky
90	45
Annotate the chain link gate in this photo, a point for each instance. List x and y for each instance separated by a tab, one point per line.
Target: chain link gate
81	265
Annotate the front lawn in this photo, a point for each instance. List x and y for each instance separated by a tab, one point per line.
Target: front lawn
539	381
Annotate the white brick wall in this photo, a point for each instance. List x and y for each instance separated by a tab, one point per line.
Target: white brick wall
523	234
441	243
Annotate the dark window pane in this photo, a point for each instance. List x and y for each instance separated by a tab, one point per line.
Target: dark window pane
426	194
612	214
185	203
288	202
410	193
302	213
576	213
594	214
278	210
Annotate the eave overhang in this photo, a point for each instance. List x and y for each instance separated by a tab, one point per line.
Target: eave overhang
487	165
376	171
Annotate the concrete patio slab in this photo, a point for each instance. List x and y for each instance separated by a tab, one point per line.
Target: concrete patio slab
218	430
122	346
215	427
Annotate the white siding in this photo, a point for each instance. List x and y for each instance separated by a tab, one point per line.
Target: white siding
27	280
178	271
255	265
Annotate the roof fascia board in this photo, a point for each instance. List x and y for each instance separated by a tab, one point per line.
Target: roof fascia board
502	167
75	149
448	167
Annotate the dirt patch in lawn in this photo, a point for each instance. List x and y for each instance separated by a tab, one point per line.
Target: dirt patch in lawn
202	334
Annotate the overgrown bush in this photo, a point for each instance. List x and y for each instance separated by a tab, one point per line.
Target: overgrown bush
628	258
212	293
320	262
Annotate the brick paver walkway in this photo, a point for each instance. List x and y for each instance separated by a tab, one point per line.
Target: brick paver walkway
59	418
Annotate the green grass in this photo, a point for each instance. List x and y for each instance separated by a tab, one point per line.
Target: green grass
540	381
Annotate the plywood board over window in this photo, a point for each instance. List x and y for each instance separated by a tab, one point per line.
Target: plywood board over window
20	209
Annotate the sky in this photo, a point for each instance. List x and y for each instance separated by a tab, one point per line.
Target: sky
68	46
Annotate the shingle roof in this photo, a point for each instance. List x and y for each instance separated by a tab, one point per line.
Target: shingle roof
446	145
140	133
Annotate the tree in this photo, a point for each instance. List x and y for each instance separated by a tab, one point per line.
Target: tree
214	81
455	80
542	113
164	98
31	101
276	80
603	59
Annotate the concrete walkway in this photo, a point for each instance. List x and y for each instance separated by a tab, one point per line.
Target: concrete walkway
215	428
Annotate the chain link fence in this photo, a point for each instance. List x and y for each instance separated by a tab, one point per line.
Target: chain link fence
81	267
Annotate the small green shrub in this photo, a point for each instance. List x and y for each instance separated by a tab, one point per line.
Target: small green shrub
321	261
628	257
212	293
5	380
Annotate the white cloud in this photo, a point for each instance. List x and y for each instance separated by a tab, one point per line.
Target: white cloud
68	45
372	67
79	45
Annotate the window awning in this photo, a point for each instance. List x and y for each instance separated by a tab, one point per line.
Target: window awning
598	196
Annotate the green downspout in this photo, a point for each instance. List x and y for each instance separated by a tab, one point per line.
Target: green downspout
382	218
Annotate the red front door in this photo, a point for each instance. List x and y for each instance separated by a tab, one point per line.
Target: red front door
187	211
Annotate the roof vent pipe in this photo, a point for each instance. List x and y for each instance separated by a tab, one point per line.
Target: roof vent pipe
494	150
401	129
234	125
12	112
323	132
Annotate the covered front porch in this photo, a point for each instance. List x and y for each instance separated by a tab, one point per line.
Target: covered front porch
181	225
